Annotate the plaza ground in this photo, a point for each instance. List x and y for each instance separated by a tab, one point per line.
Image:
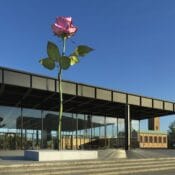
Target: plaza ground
17	156
138	162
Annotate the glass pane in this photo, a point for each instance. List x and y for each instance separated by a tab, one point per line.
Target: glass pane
32	126
87	133
134	133
49	130
121	133
111	132
98	132
81	131
68	128
10	128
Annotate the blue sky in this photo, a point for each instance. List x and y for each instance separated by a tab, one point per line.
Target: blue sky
133	40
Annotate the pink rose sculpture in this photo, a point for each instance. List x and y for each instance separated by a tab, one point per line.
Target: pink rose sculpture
63	27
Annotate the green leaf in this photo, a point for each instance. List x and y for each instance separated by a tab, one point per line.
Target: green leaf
47	63
64	62
53	51
73	60
82	50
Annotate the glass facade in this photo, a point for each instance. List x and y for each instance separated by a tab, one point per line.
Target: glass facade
22	128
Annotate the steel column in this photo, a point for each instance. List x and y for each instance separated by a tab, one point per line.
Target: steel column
127	128
21	127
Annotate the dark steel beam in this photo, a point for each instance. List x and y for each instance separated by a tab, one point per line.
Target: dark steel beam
85	103
24	97
44	101
74	106
69	100
100	106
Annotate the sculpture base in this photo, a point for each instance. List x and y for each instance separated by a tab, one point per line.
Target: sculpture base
53	155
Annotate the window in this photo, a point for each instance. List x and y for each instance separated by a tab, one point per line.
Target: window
164	139
155	139
146	139
150	139
160	139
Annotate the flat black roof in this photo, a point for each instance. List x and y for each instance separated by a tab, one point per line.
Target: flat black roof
19	88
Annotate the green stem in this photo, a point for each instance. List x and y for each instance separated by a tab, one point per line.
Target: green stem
64	46
61	99
60	111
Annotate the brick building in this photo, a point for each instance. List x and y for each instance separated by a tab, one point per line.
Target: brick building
153	138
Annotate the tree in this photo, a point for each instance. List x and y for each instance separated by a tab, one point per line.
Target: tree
171	135
1	125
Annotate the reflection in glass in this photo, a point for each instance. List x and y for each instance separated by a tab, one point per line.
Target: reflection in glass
10	137
111	129
32	125
121	132
49	129
134	133
22	128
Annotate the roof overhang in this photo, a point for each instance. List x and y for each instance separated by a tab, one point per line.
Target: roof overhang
34	91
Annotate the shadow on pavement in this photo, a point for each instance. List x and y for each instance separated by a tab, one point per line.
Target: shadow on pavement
12	158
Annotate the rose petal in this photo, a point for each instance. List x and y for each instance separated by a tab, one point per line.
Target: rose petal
68	19
62	21
60	27
72	30
57	30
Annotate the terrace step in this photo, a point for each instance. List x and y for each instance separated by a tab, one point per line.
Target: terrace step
93	167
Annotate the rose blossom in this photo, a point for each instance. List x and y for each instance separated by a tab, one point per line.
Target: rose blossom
64	27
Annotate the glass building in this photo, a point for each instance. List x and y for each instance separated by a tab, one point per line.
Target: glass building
93	118
25	128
